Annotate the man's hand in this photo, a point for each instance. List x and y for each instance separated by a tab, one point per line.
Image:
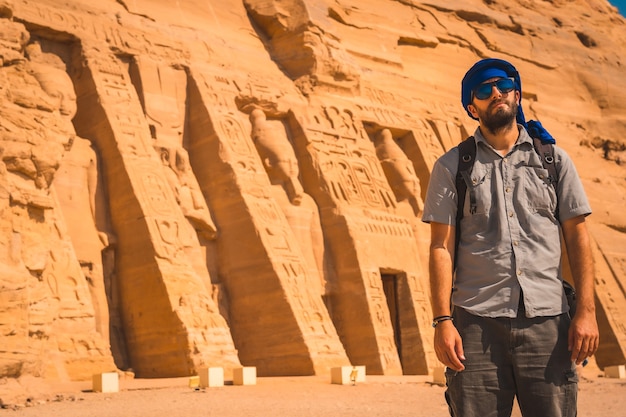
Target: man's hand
584	337
448	346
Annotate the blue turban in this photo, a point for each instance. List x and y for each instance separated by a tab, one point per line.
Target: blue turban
488	68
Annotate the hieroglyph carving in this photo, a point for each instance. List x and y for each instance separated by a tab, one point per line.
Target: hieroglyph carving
354	174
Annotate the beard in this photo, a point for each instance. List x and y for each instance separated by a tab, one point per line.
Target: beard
501	120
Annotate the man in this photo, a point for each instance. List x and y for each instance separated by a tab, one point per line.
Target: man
505	332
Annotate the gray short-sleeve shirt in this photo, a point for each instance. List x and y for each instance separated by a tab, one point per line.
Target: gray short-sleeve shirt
511	243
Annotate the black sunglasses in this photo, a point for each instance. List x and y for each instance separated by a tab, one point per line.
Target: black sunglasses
504	85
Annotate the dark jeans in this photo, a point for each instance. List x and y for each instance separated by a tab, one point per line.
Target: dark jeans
506	358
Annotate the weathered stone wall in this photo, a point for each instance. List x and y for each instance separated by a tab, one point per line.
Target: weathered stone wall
241	183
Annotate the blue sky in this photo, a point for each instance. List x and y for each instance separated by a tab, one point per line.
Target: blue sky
621	5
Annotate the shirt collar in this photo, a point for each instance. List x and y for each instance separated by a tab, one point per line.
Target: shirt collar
523	137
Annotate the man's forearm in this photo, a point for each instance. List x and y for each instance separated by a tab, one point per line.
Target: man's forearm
583	336
581	263
440	280
442	238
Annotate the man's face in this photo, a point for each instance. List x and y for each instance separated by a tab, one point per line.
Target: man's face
498	110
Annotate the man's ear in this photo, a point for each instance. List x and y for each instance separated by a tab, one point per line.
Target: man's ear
472	110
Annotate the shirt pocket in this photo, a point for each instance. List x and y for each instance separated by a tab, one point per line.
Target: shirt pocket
478	198
480	204
539	192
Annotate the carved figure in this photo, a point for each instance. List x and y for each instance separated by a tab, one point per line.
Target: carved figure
399	171
188	194
280	162
80	192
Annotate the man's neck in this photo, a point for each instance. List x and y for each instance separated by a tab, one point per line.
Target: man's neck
502	140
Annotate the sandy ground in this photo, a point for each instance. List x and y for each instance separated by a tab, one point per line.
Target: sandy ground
315	396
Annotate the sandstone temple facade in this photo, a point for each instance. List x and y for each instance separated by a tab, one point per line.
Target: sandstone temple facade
241	182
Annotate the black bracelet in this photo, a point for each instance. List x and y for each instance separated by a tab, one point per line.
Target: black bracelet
439	319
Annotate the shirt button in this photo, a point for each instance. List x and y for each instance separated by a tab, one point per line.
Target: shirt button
519	272
508	190
511	214
516	243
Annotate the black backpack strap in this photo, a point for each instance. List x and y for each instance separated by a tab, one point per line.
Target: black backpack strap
546	153
467	154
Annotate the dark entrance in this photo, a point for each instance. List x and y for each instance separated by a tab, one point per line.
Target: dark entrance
390	287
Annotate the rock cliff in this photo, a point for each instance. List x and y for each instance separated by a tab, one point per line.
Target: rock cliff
240	182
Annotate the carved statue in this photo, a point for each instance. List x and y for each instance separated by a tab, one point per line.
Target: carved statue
79	189
399	171
281	165
188	194
405	184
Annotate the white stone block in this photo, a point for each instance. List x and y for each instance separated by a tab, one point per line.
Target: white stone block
618	371
439	375
344	375
244	376
106	382
211	377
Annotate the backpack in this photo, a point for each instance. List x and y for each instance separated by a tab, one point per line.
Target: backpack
467	155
